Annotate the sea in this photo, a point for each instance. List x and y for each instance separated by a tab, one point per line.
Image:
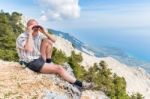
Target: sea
130	46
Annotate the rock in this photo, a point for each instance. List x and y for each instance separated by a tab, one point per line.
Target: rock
71	91
89	94
54	95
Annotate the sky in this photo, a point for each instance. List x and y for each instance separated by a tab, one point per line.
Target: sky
118	23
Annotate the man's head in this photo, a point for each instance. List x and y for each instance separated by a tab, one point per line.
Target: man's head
32	22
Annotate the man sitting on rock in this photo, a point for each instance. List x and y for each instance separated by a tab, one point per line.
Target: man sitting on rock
34	48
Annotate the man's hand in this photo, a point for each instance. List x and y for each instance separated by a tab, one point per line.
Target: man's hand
49	36
30	30
42	30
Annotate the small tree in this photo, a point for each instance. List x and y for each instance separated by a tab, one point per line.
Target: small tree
59	57
137	96
74	61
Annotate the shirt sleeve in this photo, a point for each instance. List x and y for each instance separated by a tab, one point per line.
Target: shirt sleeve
20	42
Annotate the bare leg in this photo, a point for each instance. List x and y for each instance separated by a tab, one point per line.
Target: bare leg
46	49
50	49
57	69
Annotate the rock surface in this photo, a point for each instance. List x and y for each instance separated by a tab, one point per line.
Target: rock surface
17	82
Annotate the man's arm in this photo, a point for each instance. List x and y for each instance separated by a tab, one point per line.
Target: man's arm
48	35
29	44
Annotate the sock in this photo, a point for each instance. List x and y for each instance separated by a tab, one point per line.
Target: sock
78	83
48	60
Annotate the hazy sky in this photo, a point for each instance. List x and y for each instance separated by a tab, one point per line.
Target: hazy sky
79	14
121	23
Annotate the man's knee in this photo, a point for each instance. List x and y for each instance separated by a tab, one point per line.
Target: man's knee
60	70
44	42
47	43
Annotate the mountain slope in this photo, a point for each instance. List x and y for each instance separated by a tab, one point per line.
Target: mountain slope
136	78
102	51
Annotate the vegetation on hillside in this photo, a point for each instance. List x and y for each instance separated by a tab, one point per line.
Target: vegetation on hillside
10	28
113	85
59	56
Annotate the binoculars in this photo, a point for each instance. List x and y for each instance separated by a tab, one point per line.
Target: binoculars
36	27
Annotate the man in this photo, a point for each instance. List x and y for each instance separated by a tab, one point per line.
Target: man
34	48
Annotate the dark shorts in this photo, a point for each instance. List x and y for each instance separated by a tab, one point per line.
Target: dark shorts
36	65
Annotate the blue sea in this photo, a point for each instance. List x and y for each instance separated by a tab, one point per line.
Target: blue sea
134	42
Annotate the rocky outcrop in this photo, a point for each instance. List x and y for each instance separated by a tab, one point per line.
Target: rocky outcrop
19	82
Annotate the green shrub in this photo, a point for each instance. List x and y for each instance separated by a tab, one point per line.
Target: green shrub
10	28
74	61
58	56
8	55
137	96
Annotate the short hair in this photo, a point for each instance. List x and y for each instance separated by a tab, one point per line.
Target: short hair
30	21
